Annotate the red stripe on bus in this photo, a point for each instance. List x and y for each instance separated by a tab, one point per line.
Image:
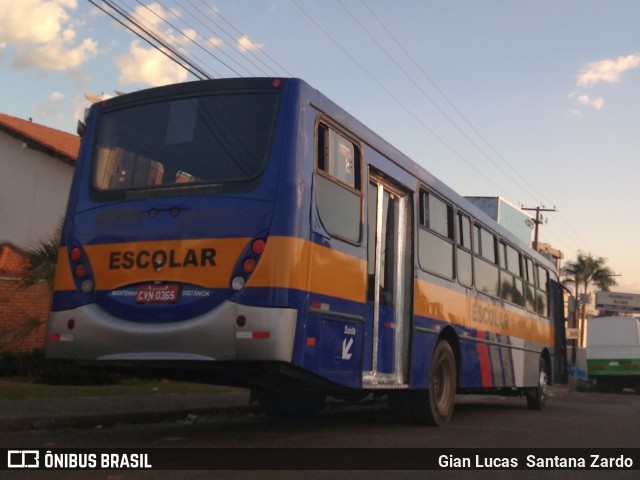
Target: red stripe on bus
485	362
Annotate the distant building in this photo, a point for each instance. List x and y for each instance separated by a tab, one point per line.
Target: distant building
37	164
517	221
511	217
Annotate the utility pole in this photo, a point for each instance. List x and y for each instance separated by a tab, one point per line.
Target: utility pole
538	221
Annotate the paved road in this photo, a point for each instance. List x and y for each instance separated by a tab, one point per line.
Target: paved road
576	420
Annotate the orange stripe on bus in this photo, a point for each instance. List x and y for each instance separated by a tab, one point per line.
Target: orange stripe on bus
203	262
290	262
63	279
446	305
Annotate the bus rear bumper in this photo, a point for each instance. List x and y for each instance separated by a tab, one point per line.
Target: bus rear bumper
229	332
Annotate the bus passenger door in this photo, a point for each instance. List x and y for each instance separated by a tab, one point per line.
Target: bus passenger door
390	270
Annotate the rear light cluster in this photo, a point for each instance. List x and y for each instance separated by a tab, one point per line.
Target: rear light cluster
80	271
248	264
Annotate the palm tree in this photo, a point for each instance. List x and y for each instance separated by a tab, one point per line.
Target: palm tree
41	261
587	270
584	272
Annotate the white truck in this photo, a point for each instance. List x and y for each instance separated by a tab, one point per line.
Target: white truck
613	353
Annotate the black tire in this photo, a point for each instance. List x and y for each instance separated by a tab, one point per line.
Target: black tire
435	406
537	397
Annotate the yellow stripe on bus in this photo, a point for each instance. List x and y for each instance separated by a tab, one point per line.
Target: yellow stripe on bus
204	262
64	278
447	305
290	262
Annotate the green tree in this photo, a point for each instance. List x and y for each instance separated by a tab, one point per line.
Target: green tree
587	270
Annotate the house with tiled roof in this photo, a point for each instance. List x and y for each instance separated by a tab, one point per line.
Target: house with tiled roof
37	165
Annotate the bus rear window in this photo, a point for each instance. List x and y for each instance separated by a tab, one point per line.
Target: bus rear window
213	139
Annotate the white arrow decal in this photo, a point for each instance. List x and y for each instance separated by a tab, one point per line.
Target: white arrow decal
346	346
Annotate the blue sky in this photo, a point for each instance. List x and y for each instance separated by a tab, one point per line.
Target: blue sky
538	102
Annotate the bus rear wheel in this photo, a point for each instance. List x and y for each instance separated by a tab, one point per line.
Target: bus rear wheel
537	397
434	406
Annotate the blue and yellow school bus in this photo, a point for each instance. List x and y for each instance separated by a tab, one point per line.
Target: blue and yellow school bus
251	232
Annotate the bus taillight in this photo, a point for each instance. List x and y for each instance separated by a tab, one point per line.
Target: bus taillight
249	264
80	271
76	254
258	246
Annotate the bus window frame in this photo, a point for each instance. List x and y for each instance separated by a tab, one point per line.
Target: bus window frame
459	244
359	162
478	256
232	186
422	219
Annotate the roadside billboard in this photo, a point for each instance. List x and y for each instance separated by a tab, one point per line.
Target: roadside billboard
618	302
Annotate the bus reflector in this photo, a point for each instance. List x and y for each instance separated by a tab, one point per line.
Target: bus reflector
237	283
253	335
311	342
53	337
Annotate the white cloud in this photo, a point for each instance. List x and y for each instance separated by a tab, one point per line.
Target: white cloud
148	66
245	44
56	55
607	70
43	34
589	101
56	96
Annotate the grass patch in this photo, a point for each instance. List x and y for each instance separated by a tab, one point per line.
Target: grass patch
16	388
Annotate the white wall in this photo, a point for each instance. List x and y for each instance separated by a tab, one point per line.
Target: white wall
34	188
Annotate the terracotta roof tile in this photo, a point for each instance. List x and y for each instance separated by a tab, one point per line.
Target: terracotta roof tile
58	142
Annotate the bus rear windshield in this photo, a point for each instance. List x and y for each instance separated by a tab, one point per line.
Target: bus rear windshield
214	139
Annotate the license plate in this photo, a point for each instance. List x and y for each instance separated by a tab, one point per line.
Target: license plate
158	293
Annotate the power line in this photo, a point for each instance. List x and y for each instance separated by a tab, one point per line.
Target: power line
426	95
187	37
392	96
243	35
450	103
576	237
129	23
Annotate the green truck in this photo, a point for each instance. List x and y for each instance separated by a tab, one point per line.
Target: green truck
613	353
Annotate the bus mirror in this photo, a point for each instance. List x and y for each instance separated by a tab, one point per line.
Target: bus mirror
81	128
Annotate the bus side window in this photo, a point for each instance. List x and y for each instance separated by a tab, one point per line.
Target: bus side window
435	237
542	292
486	271
465	269
338	184
510	275
530	284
